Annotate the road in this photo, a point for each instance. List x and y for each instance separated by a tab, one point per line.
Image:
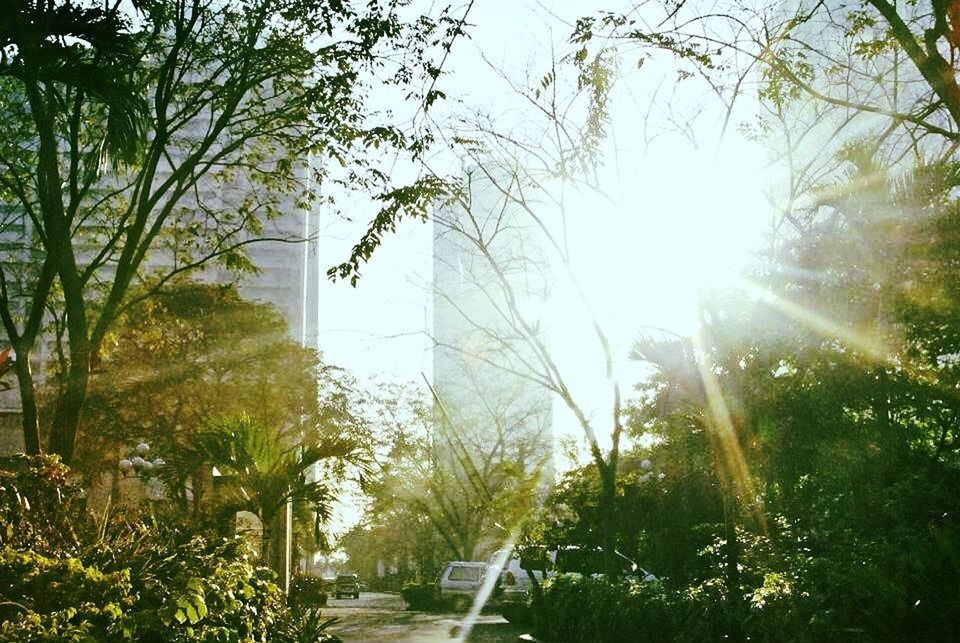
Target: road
382	618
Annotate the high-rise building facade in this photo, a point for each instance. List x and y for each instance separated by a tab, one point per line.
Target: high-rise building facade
288	274
487	267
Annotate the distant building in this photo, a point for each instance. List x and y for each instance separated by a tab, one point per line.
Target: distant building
288	278
481	362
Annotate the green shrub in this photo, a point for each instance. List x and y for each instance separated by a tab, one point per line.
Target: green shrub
578	609
424	597
40	504
307	592
517	612
149	578
207	591
305	626
60	599
200	591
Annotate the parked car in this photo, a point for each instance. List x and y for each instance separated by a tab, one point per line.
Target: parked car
512	566
460	581
347	585
590	561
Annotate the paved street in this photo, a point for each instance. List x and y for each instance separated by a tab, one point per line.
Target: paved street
381	618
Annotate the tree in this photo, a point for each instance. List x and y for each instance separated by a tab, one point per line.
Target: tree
176	99
511	215
442	488
36	58
182	368
827	372
805	80
186	355
267	468
858	60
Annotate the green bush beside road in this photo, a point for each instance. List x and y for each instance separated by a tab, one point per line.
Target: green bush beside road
142	578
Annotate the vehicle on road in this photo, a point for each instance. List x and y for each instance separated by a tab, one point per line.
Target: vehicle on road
512	567
460	581
347	585
589	561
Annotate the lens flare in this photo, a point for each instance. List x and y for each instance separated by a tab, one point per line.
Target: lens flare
870	343
724	434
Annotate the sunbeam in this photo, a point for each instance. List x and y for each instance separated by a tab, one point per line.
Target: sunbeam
725	434
868	342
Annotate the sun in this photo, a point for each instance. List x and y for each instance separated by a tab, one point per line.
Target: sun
671	225
701	219
684	223
677	222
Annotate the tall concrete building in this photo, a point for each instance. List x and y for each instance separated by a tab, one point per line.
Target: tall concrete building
486	253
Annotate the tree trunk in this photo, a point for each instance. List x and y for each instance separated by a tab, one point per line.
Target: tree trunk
69	404
22	344
66	415
608	524
934	68
266	545
271	554
58	230
28	401
203	486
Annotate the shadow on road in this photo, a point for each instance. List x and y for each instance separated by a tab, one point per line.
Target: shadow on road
491	633
381	618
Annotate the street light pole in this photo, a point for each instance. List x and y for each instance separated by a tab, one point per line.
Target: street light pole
287	544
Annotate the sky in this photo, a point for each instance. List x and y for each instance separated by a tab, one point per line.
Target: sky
682	213
380	328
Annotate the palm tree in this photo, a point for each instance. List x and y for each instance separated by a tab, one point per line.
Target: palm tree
264	470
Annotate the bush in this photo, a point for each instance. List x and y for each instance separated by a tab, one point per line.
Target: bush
304	626
307	591
424	597
149	578
581	608
517	612
40	505
199	591
60	599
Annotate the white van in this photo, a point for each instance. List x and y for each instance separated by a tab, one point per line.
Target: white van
460	580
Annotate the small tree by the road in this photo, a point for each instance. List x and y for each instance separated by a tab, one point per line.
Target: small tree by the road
441	488
510	217
263	469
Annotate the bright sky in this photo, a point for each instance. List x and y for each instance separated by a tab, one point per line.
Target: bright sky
380	327
682	216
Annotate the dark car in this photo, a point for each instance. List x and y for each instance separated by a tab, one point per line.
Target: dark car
587	561
347	585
